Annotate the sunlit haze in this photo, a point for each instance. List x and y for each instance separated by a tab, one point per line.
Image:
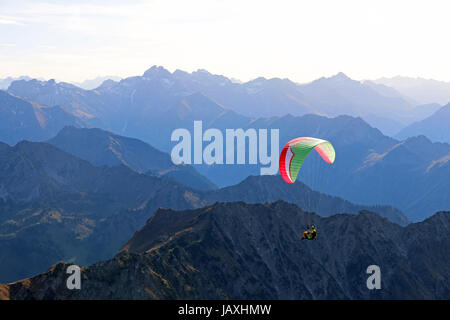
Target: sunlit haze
300	40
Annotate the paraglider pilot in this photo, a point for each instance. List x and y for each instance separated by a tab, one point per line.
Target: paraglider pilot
310	234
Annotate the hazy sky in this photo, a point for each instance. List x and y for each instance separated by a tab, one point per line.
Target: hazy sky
300	40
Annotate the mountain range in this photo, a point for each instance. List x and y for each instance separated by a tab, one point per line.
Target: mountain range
424	91
22	119
90	84
86	178
100	148
55	206
193	254
370	168
435	127
4	83
357	144
120	105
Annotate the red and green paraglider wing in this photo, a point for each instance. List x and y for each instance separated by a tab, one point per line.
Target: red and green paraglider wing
295	152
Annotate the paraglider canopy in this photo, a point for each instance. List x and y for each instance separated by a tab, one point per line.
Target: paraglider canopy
295	152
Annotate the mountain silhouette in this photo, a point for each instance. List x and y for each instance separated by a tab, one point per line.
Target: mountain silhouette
193	254
435	127
101	147
424	91
151	106
55	206
120	105
21	119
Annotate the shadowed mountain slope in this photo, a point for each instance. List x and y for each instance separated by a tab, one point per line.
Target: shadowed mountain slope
243	251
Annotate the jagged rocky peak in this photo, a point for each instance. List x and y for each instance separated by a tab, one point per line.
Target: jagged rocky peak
193	254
